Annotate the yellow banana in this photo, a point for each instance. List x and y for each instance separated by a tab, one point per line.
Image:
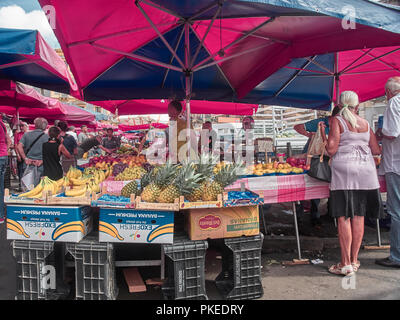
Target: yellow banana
168	228
15	226
78	182
58	232
76	192
34	191
110	230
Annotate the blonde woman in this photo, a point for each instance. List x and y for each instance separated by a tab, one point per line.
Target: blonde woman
354	189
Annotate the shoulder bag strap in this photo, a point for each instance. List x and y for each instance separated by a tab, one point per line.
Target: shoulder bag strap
33	143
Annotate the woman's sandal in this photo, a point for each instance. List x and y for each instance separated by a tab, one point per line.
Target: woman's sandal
342	270
356	266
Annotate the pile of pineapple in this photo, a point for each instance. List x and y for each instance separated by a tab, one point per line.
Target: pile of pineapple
131	173
201	181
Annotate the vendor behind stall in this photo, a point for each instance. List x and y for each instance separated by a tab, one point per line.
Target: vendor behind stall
90	143
177	127
111	142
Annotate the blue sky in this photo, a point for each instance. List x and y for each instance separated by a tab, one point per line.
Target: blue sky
26	14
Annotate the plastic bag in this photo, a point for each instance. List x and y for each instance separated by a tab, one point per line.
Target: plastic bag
316	147
30	178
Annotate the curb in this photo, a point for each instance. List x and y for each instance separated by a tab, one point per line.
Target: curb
288	243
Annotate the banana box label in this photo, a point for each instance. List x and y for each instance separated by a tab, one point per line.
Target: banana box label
136	226
65	224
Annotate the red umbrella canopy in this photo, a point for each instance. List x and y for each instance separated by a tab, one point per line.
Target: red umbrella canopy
206	49
134	107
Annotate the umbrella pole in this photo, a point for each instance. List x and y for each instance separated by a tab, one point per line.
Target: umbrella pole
337	77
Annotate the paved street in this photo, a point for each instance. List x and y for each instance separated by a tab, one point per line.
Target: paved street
279	281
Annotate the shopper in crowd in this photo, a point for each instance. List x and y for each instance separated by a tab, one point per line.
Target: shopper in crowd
5	144
72	132
89	144
70	144
390	166
354	188
111	142
83	135
52	150
210	137
308	129
30	145
22	129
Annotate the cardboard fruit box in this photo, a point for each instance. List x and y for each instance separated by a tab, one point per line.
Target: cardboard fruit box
136	226
65	224
213	223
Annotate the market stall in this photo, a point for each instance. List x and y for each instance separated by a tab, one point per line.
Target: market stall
138	202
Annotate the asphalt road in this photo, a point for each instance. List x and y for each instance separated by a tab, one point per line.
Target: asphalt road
306	282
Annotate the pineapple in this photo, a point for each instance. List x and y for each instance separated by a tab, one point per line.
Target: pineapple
205	169
223	178
130	188
155	182
183	184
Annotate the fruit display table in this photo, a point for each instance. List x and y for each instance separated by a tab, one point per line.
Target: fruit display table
291	188
285	188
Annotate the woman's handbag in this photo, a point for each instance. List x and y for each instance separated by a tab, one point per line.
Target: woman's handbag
320	167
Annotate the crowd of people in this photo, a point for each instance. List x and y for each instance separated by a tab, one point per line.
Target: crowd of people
51	151
349	141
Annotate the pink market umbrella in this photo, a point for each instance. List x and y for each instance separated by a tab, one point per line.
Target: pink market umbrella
17	95
130	107
148	126
27	58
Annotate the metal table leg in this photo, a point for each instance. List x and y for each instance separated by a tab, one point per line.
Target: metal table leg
378	232
297	229
162	267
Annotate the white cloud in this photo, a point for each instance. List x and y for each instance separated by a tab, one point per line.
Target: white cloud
15	17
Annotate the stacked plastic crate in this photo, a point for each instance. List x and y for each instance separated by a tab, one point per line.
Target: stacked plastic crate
94	269
241	268
33	280
185	265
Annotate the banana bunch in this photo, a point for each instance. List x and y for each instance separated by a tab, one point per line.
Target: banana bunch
74	173
80	189
77	192
45	185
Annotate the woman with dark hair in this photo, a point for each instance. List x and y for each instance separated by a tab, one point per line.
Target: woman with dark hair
51	155
70	144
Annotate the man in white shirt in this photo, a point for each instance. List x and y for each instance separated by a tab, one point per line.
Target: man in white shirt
72	132
390	165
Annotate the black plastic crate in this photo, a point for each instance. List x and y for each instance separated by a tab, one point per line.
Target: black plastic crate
241	268
33	259
185	264
95	277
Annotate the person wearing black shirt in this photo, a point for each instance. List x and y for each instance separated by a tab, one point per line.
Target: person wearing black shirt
51	155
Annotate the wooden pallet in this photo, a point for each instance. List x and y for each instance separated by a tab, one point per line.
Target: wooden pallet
8	199
71	201
200	204
156	206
